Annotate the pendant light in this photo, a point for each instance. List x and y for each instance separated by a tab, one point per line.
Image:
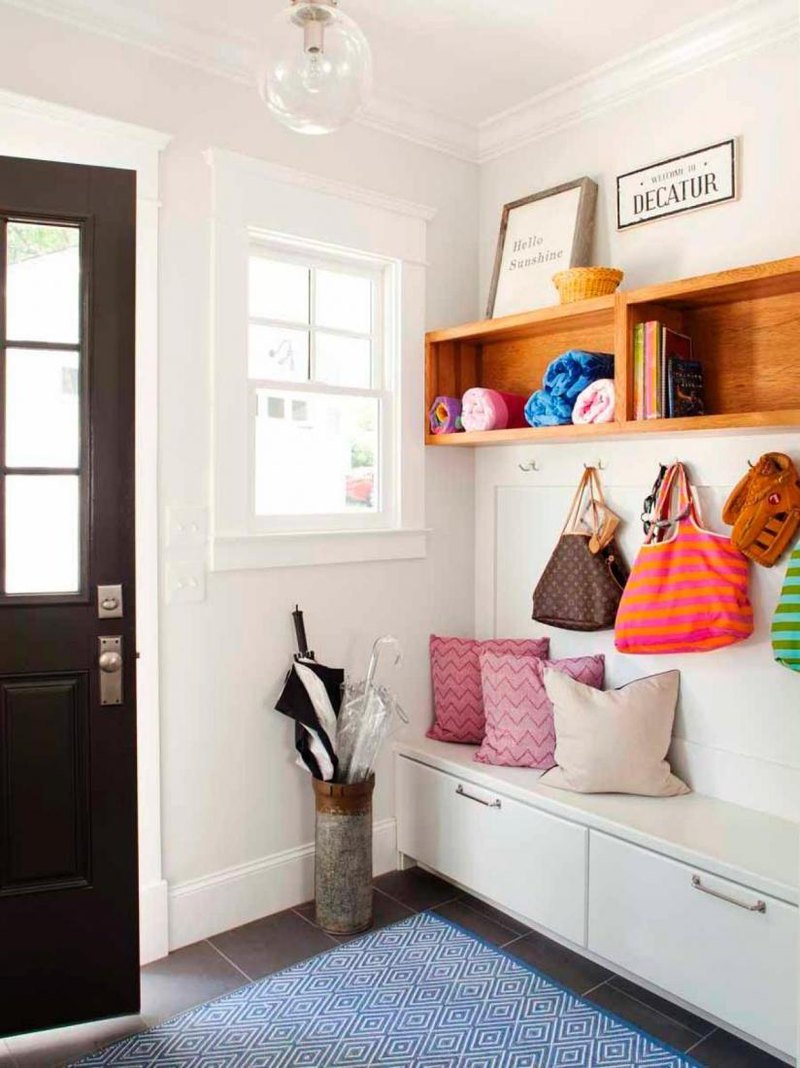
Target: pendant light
317	69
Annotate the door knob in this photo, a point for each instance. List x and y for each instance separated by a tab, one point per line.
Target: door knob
110	661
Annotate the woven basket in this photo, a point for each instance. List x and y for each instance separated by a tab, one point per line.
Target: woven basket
580	283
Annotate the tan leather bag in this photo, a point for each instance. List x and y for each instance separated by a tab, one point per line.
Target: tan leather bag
764	509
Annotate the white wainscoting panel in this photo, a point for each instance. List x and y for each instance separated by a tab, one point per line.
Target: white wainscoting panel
737	733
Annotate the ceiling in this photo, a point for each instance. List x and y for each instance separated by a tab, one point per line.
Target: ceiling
471	78
469	59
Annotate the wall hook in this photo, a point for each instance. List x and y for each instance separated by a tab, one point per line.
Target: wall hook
532	466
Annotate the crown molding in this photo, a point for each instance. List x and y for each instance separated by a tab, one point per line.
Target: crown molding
276	172
213	49
415	122
741	28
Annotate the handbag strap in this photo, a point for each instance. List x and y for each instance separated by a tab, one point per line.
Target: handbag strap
663	517
589	482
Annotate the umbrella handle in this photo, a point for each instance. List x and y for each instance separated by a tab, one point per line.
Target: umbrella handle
300	633
377	646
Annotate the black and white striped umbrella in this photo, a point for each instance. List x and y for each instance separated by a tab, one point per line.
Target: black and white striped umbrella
312	697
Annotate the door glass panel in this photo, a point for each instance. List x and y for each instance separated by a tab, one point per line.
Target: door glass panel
343	301
43	283
42	408
342	361
315	454
277	353
278	290
42	534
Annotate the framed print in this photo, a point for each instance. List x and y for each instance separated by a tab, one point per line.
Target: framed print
540	235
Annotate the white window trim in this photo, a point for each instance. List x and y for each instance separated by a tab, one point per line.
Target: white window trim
384	386
254	197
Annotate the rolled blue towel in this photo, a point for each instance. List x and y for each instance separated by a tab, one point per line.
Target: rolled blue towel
569	374
543	409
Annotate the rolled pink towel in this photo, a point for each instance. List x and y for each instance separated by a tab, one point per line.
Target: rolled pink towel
595	404
490	409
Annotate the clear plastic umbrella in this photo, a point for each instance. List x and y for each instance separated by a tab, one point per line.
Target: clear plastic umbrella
365	719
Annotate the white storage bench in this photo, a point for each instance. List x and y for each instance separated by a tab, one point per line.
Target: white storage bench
695	897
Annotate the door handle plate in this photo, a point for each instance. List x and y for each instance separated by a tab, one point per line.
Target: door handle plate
109	664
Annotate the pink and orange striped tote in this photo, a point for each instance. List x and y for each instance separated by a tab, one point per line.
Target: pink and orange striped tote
688	593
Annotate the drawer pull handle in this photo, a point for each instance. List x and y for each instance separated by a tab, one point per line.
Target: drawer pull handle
489	804
760	906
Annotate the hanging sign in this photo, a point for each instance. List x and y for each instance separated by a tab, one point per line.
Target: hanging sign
695	180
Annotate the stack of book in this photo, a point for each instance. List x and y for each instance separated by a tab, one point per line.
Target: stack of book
667	380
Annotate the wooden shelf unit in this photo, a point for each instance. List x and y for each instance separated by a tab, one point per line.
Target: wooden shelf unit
744	323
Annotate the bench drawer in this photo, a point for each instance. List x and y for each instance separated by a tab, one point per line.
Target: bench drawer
527	861
700	937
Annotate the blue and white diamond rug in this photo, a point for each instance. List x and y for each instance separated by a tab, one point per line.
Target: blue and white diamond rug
421	992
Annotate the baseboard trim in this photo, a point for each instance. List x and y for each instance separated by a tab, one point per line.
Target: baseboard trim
153	921
200	908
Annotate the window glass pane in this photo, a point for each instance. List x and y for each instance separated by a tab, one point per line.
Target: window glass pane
42	408
319	458
343	301
277	353
42	534
342	361
278	290
43	286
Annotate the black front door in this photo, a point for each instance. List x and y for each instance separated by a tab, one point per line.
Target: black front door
69	947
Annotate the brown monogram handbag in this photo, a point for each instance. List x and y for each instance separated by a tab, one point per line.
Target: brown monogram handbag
581	586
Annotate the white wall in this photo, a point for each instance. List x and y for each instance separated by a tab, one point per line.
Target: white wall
232	798
738	732
756	98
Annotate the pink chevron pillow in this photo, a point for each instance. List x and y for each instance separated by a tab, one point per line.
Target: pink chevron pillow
456	673
520	730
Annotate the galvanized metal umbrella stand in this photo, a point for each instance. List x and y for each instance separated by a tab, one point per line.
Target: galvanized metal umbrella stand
338	736
343	858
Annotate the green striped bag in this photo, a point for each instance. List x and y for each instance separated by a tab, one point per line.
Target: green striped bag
786	625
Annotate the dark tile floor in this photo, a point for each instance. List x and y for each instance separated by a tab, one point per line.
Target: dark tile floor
207	969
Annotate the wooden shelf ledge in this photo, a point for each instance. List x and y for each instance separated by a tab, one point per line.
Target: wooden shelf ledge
786	419
510	326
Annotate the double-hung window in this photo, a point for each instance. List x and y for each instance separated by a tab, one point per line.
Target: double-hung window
318	320
320	370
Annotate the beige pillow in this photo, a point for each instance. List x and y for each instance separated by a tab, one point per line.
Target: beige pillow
614	741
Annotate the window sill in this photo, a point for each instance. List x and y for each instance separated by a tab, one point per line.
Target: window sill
256	551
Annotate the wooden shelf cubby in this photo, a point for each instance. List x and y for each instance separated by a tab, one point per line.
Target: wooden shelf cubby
744	323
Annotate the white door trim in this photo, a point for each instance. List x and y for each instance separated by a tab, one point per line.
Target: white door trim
38	129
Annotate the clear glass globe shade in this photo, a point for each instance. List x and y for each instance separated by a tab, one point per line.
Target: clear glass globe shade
316	71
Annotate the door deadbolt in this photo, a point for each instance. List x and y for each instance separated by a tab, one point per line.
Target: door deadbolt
109	661
109	602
